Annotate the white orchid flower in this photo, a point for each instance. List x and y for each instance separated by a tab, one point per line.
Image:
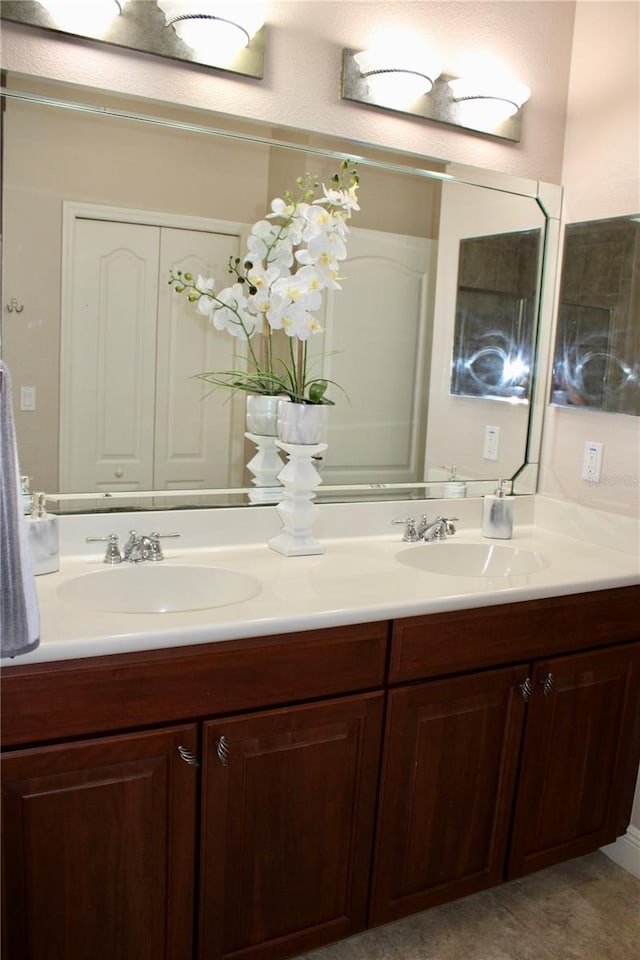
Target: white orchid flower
345	199
233	315
295	319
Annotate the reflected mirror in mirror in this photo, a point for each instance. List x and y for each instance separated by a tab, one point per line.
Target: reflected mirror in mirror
597	353
111	353
496	311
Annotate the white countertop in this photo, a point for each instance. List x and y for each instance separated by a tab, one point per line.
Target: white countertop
357	580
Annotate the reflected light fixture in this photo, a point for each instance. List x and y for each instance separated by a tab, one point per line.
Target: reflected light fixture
216	29
80	16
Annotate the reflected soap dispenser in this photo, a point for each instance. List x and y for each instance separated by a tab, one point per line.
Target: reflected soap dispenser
454	487
497	514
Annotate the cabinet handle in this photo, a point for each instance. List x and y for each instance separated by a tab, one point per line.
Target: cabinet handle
222	749
526	689
547	684
188	757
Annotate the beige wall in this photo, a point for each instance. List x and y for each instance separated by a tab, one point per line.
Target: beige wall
601	178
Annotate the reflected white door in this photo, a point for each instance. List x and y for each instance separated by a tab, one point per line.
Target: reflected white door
132	416
376	433
193	426
108	359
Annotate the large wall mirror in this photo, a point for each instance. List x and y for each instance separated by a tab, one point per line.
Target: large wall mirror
102	195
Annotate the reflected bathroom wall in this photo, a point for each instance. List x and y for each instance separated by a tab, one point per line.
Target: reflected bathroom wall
597	354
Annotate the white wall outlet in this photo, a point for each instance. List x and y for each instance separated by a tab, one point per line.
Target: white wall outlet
491	443
27	398
592	461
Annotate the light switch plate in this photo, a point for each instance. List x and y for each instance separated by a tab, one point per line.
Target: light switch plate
592	461
491	443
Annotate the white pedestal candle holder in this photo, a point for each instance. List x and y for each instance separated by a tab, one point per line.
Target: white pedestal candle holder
265	467
297	511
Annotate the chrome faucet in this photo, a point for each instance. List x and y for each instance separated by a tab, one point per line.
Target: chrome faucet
139	547
134	548
427	531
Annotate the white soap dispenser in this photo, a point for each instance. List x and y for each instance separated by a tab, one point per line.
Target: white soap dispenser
454	487
42	536
497	514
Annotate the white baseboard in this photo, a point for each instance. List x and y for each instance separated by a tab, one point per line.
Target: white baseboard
626	851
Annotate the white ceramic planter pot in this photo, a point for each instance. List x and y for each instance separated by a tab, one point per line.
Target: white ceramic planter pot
262	415
302	423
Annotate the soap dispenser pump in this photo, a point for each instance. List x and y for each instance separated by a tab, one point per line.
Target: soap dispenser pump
497	514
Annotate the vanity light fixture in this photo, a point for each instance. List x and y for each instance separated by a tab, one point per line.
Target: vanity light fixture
395	85
83	17
494	99
491	105
212	28
141	25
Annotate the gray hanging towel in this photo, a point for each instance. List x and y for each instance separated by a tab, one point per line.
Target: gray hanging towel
19	615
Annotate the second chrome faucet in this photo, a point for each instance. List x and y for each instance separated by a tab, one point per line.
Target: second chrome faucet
427	530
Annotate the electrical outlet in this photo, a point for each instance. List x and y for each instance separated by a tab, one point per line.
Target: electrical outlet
491	443
592	461
27	398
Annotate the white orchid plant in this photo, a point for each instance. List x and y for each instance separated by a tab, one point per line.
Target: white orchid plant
292	256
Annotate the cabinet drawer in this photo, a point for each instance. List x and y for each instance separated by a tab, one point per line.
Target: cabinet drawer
446	643
73	697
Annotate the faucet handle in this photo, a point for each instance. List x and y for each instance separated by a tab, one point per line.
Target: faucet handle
112	554
448	524
410	534
155	550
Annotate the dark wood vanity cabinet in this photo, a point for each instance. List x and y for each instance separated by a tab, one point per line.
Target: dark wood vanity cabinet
488	774
254	799
288	807
556	742
448	778
579	757
98	849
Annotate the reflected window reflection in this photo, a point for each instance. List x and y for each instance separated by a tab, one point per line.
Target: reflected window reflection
597	353
495	316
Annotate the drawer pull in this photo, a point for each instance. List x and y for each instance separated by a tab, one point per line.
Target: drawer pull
222	749
526	689
547	684
188	757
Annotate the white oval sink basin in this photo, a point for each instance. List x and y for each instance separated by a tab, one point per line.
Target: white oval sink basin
472	559
158	588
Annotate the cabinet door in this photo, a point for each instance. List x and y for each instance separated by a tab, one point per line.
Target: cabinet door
449	768
98	849
287	814
580	757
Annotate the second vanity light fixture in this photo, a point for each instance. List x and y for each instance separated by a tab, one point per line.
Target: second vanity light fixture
413	83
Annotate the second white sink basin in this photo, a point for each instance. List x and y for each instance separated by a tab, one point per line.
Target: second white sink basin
472	559
158	588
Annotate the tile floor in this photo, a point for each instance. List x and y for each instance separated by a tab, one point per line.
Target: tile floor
586	909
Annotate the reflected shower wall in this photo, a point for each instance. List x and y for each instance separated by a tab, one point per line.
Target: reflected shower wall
597	354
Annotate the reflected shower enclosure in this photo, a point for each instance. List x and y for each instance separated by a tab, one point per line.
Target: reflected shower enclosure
496	308
597	354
